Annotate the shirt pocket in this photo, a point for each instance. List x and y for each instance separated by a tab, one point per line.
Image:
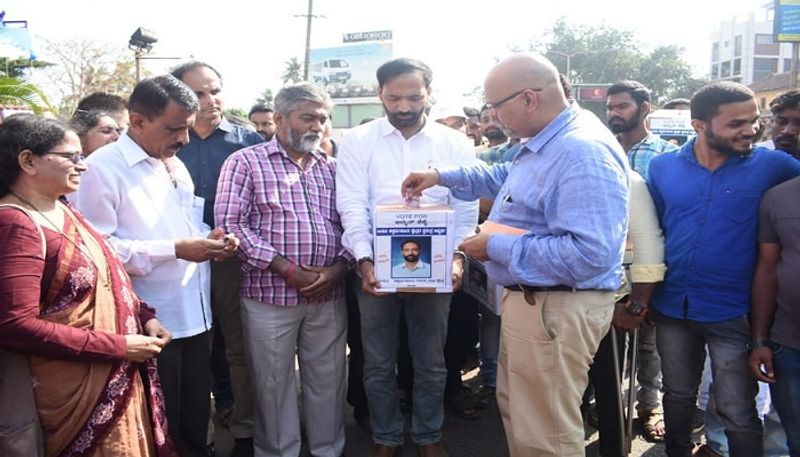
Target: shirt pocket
740	205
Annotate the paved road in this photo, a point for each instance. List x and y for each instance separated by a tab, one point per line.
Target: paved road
481	437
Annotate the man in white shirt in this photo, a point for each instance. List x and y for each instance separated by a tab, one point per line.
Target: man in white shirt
141	197
373	160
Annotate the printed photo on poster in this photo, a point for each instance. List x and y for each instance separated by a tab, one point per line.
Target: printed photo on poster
411	257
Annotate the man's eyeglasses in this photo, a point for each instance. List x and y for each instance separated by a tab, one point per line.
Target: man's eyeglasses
75	157
496	105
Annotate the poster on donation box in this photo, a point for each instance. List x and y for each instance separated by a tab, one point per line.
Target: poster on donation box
479	286
413	248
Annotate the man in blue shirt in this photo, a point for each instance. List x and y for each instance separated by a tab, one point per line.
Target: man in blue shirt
706	195
564	204
211	140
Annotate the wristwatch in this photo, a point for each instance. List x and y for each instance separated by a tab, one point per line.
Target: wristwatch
636	308
755	344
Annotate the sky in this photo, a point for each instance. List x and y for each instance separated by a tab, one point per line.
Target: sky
249	42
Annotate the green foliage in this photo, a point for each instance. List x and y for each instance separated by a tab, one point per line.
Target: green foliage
604	55
294	71
17	68
16	92
266	97
235	112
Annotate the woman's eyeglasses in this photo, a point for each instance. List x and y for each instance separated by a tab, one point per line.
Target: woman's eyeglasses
75	157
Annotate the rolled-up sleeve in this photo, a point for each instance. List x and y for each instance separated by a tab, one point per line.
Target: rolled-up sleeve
645	234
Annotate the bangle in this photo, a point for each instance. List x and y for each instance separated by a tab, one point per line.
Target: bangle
461	254
289	271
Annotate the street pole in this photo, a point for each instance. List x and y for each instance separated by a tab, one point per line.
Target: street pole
568	57
795	48
307	60
137	56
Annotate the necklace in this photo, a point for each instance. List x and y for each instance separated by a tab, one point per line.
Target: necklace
80	247
170	174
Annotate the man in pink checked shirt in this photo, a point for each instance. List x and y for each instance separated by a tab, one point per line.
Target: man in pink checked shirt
278	199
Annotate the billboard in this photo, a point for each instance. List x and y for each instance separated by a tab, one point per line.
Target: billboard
349	71
367	36
786	24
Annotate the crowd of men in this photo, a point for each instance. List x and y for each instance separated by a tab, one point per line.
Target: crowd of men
606	231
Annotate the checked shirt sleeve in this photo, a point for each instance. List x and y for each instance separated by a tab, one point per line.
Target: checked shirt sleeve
233	207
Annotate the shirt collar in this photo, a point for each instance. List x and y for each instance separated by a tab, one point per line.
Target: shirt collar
224	125
386	127
563	119
132	153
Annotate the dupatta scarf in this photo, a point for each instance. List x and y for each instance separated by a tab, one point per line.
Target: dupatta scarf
82	404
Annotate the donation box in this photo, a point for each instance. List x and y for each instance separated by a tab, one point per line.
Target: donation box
413	248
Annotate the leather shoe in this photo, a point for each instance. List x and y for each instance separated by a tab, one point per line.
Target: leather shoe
432	450
382	450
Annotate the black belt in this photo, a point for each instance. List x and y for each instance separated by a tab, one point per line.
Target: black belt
558	288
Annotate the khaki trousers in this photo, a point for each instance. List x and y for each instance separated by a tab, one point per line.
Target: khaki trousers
546	347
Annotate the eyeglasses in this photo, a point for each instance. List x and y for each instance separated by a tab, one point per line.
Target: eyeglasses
496	105
75	157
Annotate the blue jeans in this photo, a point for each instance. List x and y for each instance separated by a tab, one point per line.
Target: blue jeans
774	436
786	393
681	344
490	346
426	318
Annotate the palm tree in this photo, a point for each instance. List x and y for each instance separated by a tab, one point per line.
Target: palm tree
293	72
16	92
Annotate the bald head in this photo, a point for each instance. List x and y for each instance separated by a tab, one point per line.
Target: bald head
539	97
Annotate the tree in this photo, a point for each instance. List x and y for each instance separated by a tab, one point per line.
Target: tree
83	66
16	92
17	68
266	97
294	71
235	112
605	55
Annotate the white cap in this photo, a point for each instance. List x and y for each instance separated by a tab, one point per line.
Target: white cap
444	110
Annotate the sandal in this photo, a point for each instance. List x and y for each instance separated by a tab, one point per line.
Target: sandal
653	425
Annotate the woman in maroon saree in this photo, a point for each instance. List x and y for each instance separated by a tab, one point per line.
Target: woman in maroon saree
66	302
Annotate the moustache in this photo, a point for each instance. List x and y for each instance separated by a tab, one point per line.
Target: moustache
616	118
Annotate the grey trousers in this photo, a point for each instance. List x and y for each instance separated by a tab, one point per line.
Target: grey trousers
317	335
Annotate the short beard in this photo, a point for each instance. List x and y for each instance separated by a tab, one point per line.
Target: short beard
627	126
306	143
399	123
719	145
494	134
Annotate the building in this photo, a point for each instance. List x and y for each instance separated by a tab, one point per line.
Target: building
768	88
744	51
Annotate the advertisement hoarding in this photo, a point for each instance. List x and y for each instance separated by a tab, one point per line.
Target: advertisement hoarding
786	24
349	71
